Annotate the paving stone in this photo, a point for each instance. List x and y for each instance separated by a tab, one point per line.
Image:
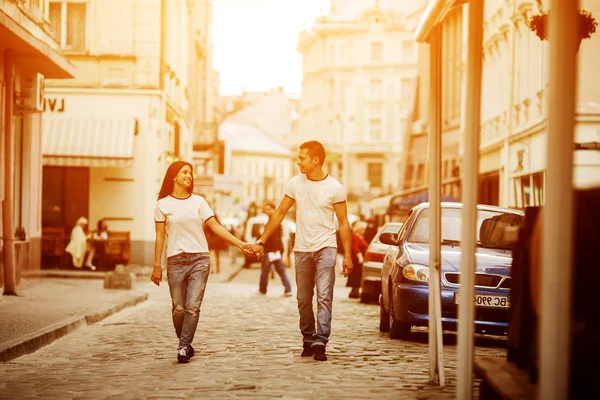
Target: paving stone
246	347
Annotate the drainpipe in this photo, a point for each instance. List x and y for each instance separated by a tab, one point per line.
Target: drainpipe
505	202
10	283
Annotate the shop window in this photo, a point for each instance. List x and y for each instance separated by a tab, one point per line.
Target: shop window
529	190
68	20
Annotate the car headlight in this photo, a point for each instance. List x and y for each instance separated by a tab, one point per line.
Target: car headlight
414	272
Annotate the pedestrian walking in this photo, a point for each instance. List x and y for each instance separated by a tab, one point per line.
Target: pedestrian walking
318	197
178	216
273	256
358	251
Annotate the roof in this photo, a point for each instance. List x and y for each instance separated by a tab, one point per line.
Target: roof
249	139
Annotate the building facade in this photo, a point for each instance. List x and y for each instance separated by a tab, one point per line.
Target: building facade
111	132
513	107
28	56
259	164
359	74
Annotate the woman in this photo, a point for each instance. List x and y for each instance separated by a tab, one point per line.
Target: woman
78	246
97	247
358	251
178	216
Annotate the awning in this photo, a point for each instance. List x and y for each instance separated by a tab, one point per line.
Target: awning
87	142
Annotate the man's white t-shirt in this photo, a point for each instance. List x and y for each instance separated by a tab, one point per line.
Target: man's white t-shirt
315	223
183	219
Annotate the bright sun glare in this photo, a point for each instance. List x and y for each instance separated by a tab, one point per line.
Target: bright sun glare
255	42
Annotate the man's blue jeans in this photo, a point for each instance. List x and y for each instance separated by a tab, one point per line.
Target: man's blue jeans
264	274
315	268
187	274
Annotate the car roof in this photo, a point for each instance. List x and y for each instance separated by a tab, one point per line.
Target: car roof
483	207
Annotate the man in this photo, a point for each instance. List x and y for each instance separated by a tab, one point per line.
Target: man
273	253
317	196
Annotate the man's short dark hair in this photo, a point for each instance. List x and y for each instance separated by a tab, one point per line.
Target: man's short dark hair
315	149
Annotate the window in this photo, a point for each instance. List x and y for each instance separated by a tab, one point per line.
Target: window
529	190
375	172
452	226
420	172
376	51
407	88
408	51
375	133
376	89
69	24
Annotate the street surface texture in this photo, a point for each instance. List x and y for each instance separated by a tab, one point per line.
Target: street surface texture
247	346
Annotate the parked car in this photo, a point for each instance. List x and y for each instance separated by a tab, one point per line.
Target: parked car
405	276
371	268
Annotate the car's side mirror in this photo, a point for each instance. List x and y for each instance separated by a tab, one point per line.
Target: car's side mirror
388	238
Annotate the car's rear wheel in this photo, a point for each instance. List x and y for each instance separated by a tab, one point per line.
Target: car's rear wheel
384	318
398	330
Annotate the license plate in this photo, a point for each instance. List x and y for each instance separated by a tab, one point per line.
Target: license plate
484	300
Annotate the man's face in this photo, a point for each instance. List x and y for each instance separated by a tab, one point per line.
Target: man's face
305	162
184	176
267	209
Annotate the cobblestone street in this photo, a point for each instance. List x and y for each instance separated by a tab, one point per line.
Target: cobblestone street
247	346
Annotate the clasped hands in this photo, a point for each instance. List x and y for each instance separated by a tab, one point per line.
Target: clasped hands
253	249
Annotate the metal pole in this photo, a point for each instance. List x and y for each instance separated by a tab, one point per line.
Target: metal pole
470	170
436	346
557	250
10	282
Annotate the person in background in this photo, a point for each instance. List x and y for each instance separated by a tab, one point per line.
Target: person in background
78	246
371	230
99	242
359	249
273	255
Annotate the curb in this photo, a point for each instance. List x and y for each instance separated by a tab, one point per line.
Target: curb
34	341
74	274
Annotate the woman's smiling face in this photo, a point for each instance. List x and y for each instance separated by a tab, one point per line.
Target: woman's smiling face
184	176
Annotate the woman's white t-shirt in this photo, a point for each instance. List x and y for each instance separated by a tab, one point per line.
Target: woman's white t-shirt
183	219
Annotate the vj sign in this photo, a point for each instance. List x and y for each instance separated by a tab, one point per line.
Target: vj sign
54	105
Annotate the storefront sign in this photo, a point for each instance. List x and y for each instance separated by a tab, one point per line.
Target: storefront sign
54	104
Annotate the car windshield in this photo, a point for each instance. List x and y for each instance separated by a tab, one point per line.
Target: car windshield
490	227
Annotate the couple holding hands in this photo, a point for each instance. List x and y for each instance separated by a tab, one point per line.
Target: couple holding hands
319	198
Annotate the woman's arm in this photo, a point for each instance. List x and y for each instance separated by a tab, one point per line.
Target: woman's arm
160	241
223	233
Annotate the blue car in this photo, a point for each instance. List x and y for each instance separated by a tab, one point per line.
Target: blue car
405	273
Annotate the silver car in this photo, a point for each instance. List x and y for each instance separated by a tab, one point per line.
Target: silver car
371	269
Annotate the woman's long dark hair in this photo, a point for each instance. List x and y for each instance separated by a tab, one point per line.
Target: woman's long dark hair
169	180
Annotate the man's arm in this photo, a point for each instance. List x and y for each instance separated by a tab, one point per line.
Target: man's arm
274	222
341	211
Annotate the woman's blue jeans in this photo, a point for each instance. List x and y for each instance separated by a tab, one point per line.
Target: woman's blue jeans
187	274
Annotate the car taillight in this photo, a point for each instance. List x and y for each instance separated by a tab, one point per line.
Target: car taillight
374	257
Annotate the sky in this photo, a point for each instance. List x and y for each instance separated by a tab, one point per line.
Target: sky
255	43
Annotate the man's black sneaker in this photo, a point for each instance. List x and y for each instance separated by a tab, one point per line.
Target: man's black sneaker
182	356
190	351
319	353
307	350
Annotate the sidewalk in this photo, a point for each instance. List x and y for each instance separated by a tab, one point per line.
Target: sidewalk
52	308
65	300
